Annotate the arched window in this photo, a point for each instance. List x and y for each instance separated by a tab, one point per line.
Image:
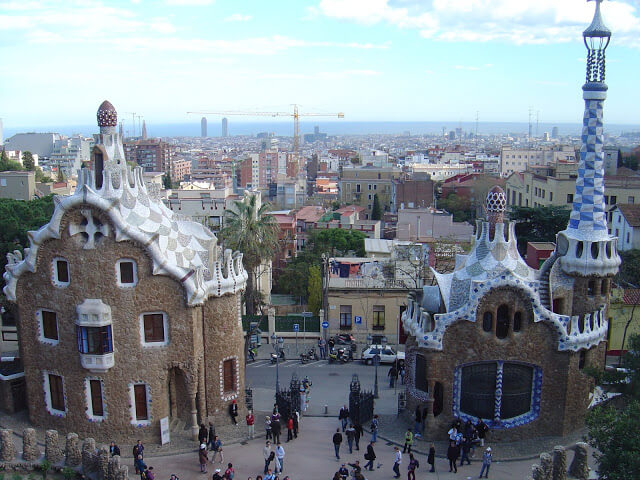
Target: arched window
420	378
591	287
517	321
595	248
438	399
579	249
487	321
502	321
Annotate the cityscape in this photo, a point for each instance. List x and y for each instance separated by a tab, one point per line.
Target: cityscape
433	274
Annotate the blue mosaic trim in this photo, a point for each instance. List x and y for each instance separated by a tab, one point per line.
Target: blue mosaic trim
497	423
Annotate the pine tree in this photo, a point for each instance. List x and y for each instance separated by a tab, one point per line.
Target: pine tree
376	211
28	162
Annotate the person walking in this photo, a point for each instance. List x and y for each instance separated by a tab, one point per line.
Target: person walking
114	449
267	426
374	429
290	429
268	454
229	472
337	440
251	428
350	432
215	448
486	463
343	416
140	465
359	433
203	457
431	458
203	434
233	412
276	427
393	375
370	457
138	452
296	423
452	454
412	467
212	435
482	430
279	458
396	462
408	441
149	474
465	447
216	475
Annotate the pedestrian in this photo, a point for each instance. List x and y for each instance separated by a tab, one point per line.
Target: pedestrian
331	344
275	428
374	428
203	434
174	477
279	458
396	462
337	440
343	471
268	454
343	416
359	433
203	457
482	430
149	474
418	422
251	428
114	449
393	374
452	454
267	426
229	472
486	463
465	446
412	467
216	475
322	346
408	441
370	457
269	475
216	448
140	465
401	372
296	423
431	458
212	435
138	451
350	432
453	433
290	429
233	412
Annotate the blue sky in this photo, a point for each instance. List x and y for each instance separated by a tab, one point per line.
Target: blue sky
372	59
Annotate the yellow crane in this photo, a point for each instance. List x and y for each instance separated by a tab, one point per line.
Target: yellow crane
296	120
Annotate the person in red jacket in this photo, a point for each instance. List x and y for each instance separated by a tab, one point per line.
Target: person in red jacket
290	429
250	424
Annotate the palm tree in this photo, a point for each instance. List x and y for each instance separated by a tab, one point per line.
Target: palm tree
251	230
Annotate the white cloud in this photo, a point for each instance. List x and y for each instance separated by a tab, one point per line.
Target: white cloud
238	17
189	3
509	21
320	75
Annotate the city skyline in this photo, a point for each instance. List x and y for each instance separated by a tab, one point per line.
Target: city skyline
377	60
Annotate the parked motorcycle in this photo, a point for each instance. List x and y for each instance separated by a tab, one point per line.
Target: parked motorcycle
308	356
253	353
274	357
338	355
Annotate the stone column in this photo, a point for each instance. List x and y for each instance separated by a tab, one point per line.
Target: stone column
546	462
88	453
30	450
559	463
7	448
52	451
579	466
537	472
103	462
113	467
194	415
73	456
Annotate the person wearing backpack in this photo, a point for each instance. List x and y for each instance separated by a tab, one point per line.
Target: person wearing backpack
229	472
370	457
412	467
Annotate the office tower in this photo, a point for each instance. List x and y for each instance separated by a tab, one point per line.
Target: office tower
225	127
203	127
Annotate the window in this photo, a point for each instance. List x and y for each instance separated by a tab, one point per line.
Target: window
582	359
420	379
631	199
517	321
60	272
516	390
95	397
49	326
477	396
628	237
56	392
229	375
569	197
591	288
614	199
154	329
94	340
527	188
127	273
378	317
357	187
487	322
345	316
502	321
140	402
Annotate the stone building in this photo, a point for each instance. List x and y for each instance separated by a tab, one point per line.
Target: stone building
498	340
128	312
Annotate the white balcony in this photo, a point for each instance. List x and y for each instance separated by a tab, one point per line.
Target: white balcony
97	363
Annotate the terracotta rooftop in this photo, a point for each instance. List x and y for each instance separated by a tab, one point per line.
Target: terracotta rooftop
631	213
310	213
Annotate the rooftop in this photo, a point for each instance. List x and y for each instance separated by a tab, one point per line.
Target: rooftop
631	213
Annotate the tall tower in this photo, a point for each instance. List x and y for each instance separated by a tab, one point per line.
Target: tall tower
203	127
144	130
585	249
225	127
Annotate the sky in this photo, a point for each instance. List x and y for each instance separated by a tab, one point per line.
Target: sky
374	60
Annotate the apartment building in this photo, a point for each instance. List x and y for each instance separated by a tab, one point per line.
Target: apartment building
359	185
153	155
518	159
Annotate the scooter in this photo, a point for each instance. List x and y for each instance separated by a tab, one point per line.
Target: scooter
338	355
253	353
274	357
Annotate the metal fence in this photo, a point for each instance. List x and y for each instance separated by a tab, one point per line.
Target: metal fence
361	403
288	401
285	323
263	322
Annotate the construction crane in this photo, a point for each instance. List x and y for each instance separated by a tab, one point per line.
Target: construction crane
296	120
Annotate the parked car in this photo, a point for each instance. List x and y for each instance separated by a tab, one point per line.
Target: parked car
387	354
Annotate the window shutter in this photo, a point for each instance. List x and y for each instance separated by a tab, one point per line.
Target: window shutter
140	395
95	387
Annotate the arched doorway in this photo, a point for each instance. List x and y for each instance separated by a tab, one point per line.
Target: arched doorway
179	402
438	400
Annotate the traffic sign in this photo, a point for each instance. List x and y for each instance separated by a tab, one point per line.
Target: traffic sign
325	324
358	319
296	327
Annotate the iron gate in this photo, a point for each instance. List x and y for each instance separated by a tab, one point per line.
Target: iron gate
288	401
360	403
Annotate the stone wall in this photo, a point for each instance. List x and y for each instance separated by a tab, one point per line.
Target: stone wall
93	275
554	466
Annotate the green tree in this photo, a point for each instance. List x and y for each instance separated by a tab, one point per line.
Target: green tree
6	164
60	175
41	177
539	224
630	267
166	181
315	289
376	210
460	207
336	241
251	230
28	162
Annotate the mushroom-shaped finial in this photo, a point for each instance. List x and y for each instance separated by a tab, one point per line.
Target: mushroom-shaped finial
107	115
495	205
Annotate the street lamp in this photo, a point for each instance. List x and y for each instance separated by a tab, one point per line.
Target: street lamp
376	362
278	345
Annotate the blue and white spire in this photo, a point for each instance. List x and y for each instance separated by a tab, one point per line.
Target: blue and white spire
585	247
